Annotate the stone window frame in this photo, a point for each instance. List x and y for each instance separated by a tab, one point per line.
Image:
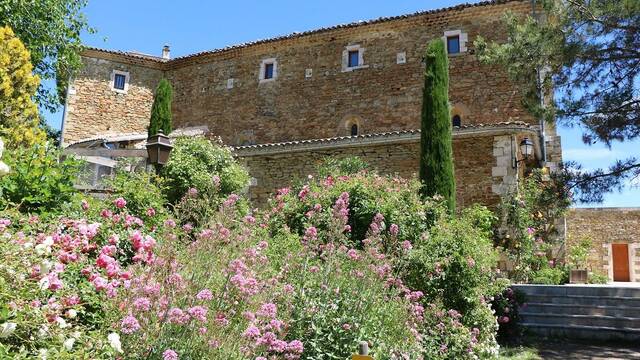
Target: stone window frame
113	81
401	58
263	65
350	121
345	58
463	38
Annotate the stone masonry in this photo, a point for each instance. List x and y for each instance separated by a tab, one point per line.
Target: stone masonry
312	96
606	226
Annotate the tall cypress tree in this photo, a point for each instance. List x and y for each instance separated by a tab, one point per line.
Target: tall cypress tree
161	109
436	154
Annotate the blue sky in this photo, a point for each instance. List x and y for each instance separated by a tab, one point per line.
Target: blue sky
190	26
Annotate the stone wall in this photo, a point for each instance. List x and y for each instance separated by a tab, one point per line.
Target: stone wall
384	95
93	108
481	169
606	226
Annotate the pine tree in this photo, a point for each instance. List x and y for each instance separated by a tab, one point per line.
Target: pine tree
161	109
436	154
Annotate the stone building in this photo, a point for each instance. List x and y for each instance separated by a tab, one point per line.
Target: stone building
354	89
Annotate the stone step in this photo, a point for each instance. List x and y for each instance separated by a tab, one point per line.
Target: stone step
581	320
574	309
584	300
584	332
581	290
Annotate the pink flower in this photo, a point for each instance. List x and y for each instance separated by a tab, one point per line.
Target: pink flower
268	310
106	213
142	304
199	313
406	245
151	212
346	326
251	332
193	192
130	325
353	254
394	229
471	262
177	316
295	347
170	223
204	294
84	204
169	355
99	283
120	203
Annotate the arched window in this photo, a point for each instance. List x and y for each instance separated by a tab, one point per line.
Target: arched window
456	121
354	129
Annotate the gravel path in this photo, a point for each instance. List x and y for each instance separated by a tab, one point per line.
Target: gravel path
578	350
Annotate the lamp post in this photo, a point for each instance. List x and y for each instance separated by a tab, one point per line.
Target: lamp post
158	148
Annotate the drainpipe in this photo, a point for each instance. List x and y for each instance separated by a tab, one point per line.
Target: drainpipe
539	83
64	113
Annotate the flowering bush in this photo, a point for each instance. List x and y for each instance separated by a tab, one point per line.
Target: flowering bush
528	232
56	277
507	309
314	202
199	163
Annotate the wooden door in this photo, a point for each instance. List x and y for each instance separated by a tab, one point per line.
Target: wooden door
620	254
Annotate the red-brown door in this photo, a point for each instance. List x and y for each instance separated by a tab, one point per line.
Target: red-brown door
620	254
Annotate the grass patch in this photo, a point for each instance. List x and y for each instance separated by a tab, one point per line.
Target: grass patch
518	353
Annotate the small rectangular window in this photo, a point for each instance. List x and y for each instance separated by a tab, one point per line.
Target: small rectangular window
354	58
453	44
268	71
118	81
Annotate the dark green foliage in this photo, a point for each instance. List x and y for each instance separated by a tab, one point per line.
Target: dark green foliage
51	31
161	109
340	167
436	154
588	57
38	181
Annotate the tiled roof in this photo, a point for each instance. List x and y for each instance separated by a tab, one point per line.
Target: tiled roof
383	135
305	33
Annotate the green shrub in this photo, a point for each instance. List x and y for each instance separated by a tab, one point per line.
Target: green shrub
396	199
597	279
144	192
550	276
161	109
39	181
341	167
208	167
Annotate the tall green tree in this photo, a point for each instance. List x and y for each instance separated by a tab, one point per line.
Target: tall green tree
50	30
436	154
584	57
161	109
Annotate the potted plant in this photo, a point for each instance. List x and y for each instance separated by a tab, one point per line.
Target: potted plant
578	255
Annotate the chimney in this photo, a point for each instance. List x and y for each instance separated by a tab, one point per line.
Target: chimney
166	54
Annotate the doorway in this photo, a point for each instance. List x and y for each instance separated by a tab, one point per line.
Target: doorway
620	255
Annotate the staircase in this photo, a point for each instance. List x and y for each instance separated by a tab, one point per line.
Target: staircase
593	312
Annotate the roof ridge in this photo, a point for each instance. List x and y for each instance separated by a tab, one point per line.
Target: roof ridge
298	34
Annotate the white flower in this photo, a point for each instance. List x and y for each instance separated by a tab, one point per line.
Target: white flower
7	328
45	267
4	169
61	322
27	245
41	249
114	341
71	313
48	241
42	332
44	283
43	354
68	344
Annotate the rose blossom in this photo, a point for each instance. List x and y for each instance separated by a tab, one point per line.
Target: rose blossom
120	203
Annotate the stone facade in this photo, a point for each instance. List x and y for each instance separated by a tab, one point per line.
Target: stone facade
483	160
93	108
606	226
312	96
315	94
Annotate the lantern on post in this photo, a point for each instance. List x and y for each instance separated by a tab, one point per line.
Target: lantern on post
526	150
158	148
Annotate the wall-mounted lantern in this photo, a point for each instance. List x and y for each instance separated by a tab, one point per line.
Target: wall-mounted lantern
158	148
526	150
